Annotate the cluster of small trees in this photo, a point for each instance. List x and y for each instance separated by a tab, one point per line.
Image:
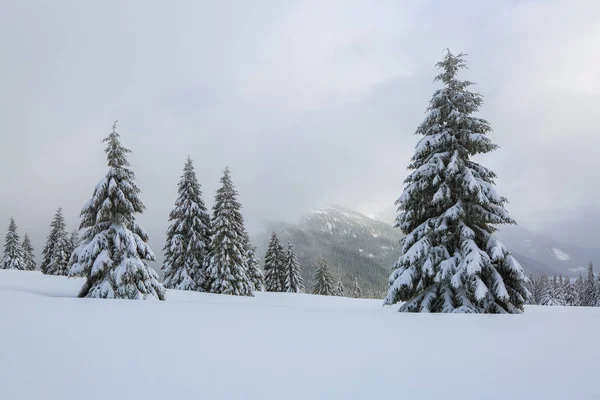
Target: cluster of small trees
559	291
324	283
55	255
17	254
282	273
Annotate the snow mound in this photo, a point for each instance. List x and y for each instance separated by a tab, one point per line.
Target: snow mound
281	346
560	255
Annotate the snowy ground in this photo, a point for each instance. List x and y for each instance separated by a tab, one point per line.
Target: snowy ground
281	346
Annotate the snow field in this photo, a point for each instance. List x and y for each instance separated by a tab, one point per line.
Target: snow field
281	346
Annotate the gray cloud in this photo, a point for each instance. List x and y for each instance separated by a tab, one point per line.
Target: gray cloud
308	102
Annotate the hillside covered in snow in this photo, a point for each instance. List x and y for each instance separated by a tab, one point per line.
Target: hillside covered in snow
359	246
281	346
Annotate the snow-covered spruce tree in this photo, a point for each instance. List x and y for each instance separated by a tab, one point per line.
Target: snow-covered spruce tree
61	254
57	230
548	295
29	263
340	290
323	281
580	289
570	293
114	249
589	290
532	287
254	273
275	271
559	290
226	271
73	241
356	291
13	252
188	236
450	261
598	291
294	282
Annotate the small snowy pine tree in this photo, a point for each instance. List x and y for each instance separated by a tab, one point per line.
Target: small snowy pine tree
28	256
532	287
589	290
13	252
559	290
580	289
73	241
570	293
323	283
61	254
254	273
450	260
294	282
57	230
114	249
227	266
188	236
275	271
356	291
340	290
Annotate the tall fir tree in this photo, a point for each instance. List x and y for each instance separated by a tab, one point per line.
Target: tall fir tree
188	236
323	283
114	251
57	233
227	266
589	290
28	254
450	260
275	271
294	282
13	252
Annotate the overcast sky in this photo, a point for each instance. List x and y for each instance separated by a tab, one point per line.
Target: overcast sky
308	102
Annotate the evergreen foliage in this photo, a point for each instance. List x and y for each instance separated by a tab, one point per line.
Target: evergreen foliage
61	253
254	273
323	283
57	233
29	263
340	290
73	241
13	252
356	291
294	282
588	297
227	265
275	271
450	261
114	251
188	236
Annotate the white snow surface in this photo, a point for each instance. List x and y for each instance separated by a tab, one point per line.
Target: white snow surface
281	346
560	255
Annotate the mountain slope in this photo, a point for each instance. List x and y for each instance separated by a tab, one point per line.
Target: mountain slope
353	244
359	246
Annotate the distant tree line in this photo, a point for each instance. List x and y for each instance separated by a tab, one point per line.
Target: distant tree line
559	291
